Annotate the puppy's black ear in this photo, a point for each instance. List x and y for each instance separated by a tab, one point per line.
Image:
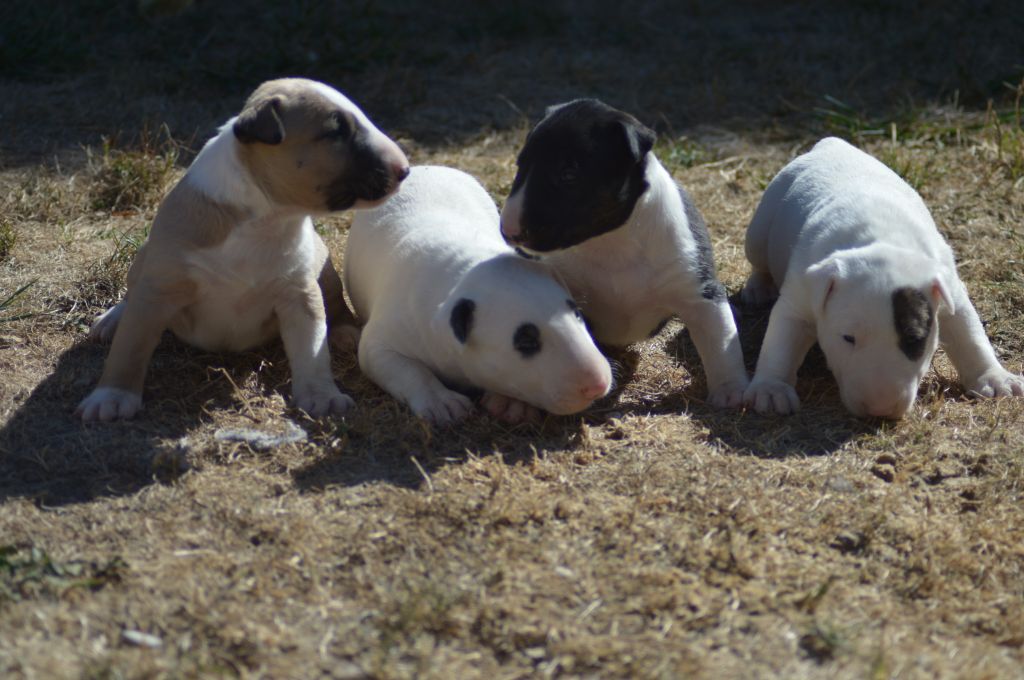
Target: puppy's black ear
640	137
462	319
260	123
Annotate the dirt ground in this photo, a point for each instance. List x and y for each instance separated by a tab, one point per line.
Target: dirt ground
650	537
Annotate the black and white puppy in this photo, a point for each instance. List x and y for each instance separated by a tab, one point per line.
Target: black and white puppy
632	247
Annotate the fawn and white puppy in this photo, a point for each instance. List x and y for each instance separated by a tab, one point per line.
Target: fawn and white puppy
447	304
232	259
858	264
592	197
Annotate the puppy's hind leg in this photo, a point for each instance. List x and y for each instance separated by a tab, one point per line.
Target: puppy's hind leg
139	321
105	325
760	290
342	326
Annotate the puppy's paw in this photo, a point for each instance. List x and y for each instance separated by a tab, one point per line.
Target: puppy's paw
510	410
729	394
771	396
345	338
109	403
102	329
322	400
759	291
996	382
442	406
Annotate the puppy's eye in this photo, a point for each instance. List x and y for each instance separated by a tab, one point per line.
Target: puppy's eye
342	125
575	309
850	339
526	340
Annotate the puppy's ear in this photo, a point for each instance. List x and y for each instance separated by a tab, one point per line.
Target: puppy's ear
822	280
553	108
260	122
639	138
461	319
940	292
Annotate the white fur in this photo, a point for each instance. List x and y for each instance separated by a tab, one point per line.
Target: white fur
835	234
633	277
408	263
250	288
110	403
220	174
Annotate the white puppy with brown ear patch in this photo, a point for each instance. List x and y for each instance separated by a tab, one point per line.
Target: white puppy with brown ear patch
232	259
858	265
448	304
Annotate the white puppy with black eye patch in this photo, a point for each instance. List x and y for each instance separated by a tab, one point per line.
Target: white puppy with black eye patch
858	264
447	304
232	260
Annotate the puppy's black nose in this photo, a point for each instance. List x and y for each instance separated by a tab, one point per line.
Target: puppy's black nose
401	172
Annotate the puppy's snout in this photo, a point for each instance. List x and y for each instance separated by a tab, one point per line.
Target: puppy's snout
595	384
892	405
594	390
511	232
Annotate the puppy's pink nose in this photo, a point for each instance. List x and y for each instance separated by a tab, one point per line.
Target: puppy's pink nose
594	390
892	410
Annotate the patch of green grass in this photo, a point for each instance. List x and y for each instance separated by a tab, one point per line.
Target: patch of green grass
843	120
127	180
914	172
681	153
8	237
29	573
1007	132
7	303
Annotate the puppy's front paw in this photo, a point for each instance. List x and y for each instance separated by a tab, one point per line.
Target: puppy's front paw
729	394
442	406
996	382
510	410
771	396
109	403
103	327
322	400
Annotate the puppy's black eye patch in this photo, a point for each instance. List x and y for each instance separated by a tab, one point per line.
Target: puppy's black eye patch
526	340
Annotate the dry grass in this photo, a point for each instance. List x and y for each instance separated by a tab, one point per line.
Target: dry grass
652	536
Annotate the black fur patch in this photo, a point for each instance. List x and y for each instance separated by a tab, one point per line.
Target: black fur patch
914	318
366	175
710	287
462	319
526	340
583	167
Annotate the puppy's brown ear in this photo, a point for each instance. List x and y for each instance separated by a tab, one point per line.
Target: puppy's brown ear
260	122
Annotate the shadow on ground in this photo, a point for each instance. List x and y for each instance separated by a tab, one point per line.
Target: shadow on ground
49	455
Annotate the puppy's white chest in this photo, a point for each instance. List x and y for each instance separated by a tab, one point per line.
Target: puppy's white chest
239	282
623	305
